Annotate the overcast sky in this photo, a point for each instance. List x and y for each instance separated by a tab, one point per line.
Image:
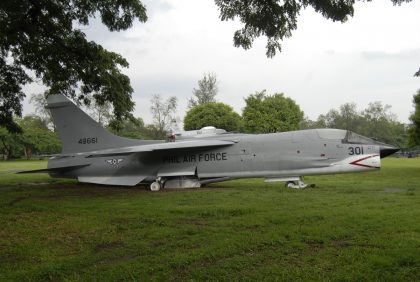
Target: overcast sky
371	57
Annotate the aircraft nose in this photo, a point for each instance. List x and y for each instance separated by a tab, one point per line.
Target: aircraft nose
385	151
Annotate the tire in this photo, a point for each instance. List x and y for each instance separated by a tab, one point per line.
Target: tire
290	185
155	186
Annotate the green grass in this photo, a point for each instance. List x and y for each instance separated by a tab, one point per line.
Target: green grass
353	227
10	179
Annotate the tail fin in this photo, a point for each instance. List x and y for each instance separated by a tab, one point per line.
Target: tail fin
78	131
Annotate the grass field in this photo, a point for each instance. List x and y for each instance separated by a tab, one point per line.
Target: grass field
354	227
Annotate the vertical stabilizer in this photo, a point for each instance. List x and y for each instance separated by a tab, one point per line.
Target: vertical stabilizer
78	131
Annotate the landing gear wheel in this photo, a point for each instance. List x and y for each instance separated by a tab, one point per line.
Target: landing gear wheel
298	184
155	186
290	184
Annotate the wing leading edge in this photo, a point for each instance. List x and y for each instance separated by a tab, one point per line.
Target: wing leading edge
160	147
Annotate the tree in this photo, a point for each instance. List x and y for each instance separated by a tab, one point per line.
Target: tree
206	92
133	129
212	114
376	121
380	123
347	117
39	101
307	123
36	138
414	130
102	112
271	113
41	37
277	19
162	112
7	143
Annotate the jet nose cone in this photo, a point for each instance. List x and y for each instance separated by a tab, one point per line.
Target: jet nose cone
385	151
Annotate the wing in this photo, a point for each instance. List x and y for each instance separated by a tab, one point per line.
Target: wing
53	169
161	146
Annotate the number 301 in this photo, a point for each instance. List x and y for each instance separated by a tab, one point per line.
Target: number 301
355	150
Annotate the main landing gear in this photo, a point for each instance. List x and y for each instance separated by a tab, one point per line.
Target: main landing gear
177	183
157	185
298	184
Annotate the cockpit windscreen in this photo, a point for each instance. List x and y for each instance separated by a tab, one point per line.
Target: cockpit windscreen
353	138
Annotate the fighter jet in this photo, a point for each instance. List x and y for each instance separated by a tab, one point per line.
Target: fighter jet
91	154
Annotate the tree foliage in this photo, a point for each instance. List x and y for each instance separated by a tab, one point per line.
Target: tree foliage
414	130
206	92
375	121
163	113
102	113
307	123
277	19
212	114
7	143
381	124
134	129
347	117
35	138
271	113
43	38
39	102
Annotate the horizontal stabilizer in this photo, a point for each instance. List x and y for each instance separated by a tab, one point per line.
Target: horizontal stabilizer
161	146
54	169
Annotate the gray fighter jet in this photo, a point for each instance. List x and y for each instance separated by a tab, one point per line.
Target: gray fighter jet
92	154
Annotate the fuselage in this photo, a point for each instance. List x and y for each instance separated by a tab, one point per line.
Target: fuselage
92	154
295	153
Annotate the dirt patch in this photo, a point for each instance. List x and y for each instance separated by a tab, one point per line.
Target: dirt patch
339	244
345	244
108	246
121	221
17	200
193	222
393	190
158	243
115	260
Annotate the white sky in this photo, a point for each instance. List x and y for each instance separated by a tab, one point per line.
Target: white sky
371	57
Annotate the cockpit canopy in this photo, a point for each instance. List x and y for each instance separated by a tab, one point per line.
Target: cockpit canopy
346	136
354	138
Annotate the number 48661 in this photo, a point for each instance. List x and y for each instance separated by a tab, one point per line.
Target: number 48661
89	140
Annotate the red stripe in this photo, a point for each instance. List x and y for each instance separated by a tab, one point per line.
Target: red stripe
362	159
